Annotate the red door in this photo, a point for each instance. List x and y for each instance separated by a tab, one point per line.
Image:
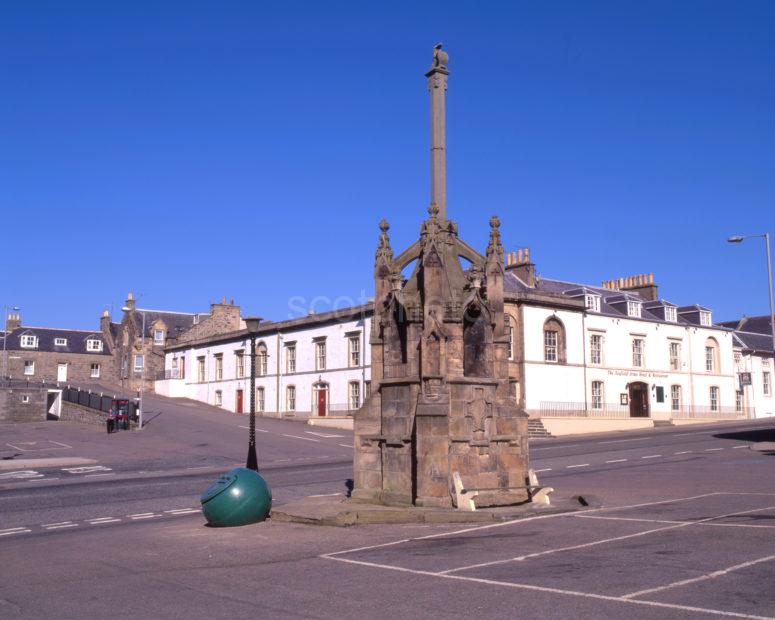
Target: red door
239	401
322	402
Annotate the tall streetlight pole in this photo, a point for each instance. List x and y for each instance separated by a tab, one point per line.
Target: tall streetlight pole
142	369
766	237
5	339
251	323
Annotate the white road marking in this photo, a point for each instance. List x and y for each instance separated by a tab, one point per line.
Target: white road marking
59	523
738	447
140	518
95	520
538	471
86	470
12	529
542	588
744	525
651	456
59	527
683	452
21	474
579	465
142	514
304	438
199	467
183	511
21	531
712	449
103	522
623	440
713	575
324	435
346	445
258	430
96	475
617	461
326	495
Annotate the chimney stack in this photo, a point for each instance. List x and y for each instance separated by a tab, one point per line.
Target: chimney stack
12	321
519	264
641	284
437	85
130	301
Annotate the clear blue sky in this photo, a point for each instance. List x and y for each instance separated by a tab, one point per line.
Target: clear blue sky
191	150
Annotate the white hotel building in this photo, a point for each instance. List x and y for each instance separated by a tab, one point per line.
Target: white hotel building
583	359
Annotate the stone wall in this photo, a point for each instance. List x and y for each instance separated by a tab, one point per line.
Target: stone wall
47	362
224	318
13	407
72	412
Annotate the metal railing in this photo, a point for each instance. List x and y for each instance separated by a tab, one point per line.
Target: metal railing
718	413
557	409
169	373
340	409
94	400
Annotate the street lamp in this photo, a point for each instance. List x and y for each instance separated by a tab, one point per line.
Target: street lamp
5	340
251	323
766	237
142	369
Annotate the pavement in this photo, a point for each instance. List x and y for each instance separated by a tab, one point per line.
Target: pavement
681	524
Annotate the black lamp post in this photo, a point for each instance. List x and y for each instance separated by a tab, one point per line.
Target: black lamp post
252	326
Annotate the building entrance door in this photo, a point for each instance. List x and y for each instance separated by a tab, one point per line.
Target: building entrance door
238	408
321	399
61	372
639	400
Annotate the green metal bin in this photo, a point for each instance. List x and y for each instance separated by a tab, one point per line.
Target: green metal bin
239	497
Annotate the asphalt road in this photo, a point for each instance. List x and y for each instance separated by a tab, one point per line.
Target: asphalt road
681	523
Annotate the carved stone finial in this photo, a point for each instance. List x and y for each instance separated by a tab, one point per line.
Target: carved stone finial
495	247
433	210
384	253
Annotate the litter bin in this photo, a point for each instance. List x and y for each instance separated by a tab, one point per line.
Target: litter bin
239	497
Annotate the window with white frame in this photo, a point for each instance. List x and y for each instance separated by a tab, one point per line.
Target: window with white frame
94	345
29	367
511	343
200	369
260	399
28	341
637	352
25	399
94	371
738	357
671	314
60	342
550	345
675	356
705	318
355	351
596	349
633	309
738	401
263	360
290	358
714	398
158	336
711	355
675	398
290	397
218	398
218	366
592	302
597	395
320	355
138	362
355	395
766	384
239	361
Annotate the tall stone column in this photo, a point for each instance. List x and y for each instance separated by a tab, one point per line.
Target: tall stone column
437	86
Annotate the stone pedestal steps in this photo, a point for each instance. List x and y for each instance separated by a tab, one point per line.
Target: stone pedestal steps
535	428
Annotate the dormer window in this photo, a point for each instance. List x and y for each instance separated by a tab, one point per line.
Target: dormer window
671	314
705	318
592	302
158	336
29	341
633	309
93	345
60	342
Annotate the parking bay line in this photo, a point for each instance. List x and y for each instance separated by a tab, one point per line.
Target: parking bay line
523	586
258	430
16	531
651	456
579	465
304	438
617	461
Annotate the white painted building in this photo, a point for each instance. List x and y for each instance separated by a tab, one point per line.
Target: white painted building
754	363
317	365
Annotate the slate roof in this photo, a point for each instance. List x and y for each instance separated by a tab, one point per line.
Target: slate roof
76	340
753	324
609	298
754	342
173	321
